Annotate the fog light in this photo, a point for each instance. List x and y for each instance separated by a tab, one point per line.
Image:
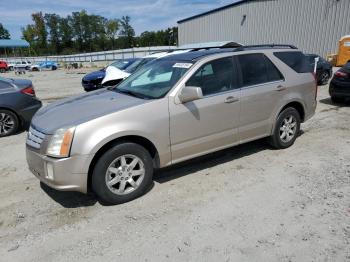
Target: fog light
49	173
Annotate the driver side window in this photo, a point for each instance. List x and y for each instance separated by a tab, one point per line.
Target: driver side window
215	77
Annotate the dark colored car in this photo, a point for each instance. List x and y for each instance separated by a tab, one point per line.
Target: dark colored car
339	88
18	104
3	66
92	81
323	70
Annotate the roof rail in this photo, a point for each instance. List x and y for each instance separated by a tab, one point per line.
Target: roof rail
247	47
209	45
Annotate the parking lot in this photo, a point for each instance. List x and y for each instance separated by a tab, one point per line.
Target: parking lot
248	203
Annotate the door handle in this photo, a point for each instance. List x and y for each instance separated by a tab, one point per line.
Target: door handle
280	88
231	99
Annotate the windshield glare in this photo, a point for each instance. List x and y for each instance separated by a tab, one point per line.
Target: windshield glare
155	79
132	68
121	64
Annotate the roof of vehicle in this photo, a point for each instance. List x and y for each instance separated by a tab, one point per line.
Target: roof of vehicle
195	54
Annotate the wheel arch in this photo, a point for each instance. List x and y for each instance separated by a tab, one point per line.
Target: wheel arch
294	104
298	106
20	120
142	141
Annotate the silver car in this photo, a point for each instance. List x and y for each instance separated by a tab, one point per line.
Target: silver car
176	108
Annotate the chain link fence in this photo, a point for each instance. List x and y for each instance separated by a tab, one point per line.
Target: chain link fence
103	56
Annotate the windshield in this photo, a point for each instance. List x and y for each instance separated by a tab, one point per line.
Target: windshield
154	80
138	64
123	64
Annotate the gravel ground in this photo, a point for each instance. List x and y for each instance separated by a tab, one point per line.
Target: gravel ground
248	203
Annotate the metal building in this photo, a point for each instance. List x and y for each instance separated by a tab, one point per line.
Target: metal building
315	26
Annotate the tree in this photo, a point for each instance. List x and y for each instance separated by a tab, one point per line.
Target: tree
52	23
40	30
66	32
83	32
4	33
126	30
112	27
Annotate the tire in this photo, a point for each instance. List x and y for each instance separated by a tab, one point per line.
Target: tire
9	123
2	70
113	166
289	119
324	78
337	100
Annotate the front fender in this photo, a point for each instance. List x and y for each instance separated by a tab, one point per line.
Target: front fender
148	121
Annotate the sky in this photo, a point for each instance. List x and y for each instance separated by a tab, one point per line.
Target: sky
146	15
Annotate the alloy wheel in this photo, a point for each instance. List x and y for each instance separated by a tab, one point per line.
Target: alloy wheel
288	129
7	124
125	174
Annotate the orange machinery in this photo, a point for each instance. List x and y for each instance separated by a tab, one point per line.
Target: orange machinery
344	51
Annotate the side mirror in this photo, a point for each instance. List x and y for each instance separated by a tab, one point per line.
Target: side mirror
190	93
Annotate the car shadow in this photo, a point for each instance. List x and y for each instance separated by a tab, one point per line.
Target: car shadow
328	101
69	199
75	199
211	160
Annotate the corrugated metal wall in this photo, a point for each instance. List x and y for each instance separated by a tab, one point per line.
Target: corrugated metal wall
315	26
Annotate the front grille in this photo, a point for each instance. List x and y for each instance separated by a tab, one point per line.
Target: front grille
35	138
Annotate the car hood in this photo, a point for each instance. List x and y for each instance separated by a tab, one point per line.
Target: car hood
94	75
113	73
79	109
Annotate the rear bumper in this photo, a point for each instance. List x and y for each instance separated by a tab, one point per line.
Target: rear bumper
339	89
65	174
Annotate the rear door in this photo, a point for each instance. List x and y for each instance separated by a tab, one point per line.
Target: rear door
262	86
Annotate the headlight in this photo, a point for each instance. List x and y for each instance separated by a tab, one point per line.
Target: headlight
60	143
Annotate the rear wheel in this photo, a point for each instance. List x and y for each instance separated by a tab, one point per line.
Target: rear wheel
286	129
123	173
324	78
9	123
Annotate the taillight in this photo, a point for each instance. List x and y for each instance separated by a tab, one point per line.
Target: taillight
340	74
28	91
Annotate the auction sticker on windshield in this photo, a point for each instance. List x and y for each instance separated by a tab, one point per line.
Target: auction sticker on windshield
182	65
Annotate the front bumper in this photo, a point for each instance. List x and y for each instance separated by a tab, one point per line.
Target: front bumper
65	174
90	85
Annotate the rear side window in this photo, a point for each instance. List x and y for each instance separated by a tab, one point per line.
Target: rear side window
295	60
257	69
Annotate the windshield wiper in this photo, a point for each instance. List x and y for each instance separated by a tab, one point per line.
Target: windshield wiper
131	93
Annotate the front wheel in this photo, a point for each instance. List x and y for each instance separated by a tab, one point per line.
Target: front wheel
286	129
123	173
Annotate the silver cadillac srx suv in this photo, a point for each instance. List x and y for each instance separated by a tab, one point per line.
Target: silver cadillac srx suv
173	109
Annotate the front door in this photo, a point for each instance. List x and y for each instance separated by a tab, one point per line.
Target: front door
210	123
